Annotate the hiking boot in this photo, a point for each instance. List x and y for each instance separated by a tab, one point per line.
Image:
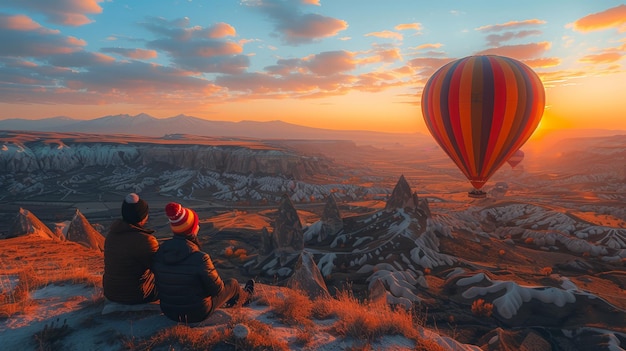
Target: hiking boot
248	288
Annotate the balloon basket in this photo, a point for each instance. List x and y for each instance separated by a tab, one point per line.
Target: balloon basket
477	194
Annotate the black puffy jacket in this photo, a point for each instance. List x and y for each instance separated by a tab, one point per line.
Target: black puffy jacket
128	253
186	280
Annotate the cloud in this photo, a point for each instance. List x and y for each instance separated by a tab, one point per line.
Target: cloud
427	46
135	54
426	66
65	12
232	64
295	85
221	30
284	67
196	48
22	76
330	62
136	76
316	76
22	37
407	26
386	34
374	82
497	39
614	17
382	53
295	27
520	52
323	64
388	54
510	25
82	59
602	58
106	82
544	62
181	29
21	23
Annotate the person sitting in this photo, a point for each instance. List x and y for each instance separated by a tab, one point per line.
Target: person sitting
190	287
128	251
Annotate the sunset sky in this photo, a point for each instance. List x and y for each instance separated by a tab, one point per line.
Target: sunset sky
341	64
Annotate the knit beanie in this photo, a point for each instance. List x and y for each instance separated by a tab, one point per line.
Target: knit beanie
182	220
134	209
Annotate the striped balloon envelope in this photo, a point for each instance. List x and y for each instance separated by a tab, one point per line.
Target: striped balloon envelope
480	110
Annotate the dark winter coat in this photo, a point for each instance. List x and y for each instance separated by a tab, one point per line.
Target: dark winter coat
128	253
186	280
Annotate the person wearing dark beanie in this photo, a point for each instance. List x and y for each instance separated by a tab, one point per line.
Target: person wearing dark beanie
190	288
134	209
128	252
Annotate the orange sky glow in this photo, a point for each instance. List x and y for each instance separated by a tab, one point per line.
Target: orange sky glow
337	71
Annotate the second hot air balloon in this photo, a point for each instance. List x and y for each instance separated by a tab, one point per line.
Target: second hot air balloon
516	158
480	110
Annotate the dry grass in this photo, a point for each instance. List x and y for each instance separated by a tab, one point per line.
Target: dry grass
546	271
429	345
16	299
291	306
178	335
236	253
369	321
364	322
183	337
29	263
481	308
260	337
305	335
51	335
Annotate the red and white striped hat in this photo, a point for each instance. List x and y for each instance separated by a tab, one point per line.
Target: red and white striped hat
182	220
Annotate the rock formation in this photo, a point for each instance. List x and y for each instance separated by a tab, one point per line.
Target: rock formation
281	249
516	305
26	223
307	277
288	235
73	153
401	196
331	219
267	245
82	232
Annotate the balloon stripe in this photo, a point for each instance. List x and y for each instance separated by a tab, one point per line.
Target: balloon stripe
488	116
436	123
477	98
440	118
445	141
429	95
499	105
455	111
507	118
538	100
521	117
465	113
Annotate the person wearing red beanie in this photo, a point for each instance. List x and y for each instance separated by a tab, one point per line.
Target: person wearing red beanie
190	288
128	251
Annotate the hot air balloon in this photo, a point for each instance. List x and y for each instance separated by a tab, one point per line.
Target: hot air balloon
517	157
480	110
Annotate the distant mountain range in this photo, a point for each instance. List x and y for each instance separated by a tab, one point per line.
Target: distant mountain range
144	124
